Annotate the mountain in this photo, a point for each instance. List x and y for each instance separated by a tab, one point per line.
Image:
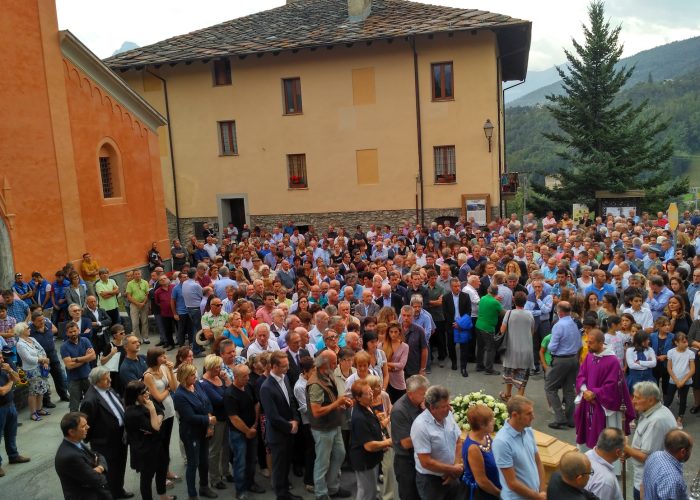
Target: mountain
660	63
535	80
125	46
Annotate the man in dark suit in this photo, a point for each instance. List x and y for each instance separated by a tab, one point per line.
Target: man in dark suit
282	423
100	323
456	297
105	414
389	299
487	279
294	353
82	472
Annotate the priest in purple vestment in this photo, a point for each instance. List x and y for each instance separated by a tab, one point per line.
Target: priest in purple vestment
601	390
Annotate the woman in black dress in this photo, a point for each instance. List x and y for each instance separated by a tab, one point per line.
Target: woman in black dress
142	422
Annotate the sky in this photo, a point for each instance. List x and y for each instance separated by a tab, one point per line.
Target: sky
103	25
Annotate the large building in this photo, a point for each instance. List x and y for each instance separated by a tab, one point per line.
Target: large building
327	111
79	157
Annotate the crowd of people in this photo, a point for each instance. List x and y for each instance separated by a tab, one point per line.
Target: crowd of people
316	349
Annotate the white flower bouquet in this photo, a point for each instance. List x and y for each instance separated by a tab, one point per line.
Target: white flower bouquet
462	403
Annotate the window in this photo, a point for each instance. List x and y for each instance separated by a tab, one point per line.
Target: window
445	168
106	174
292	96
110	171
228	143
222	72
443	81
296	171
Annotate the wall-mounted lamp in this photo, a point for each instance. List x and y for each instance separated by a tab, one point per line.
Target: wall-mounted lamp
488	132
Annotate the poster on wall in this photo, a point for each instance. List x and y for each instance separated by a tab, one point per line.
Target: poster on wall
478	207
620	211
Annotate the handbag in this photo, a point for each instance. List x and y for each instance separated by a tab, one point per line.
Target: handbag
501	339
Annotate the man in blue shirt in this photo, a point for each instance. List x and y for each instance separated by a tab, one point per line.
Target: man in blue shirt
22	289
77	353
192	294
599	286
659	296
177	304
663	470
41	289
17	309
564	345
515	451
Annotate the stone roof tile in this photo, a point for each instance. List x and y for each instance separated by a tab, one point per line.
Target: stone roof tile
313	23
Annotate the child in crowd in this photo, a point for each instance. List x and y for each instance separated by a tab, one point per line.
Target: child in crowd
626	324
616	340
590	322
661	343
640	359
681	368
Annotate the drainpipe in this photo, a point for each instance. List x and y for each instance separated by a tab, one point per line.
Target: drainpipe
498	130
505	141
418	131
172	153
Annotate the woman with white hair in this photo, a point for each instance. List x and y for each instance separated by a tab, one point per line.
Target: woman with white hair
35	363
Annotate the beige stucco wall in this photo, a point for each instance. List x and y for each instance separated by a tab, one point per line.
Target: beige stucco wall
331	129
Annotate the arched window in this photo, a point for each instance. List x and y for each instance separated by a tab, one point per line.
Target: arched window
110	171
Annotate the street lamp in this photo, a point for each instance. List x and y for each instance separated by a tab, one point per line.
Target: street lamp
488	132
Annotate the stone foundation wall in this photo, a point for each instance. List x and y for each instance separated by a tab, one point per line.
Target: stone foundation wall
321	221
187	226
350	220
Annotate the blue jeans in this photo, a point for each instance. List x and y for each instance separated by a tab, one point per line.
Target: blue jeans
197	453
330	454
8	426
243	452
196	318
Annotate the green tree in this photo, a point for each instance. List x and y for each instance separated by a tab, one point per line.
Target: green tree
607	144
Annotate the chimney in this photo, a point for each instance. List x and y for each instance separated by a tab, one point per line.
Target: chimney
359	10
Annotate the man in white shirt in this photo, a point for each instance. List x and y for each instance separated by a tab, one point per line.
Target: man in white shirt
609	448
471	289
211	248
262	343
641	313
316	332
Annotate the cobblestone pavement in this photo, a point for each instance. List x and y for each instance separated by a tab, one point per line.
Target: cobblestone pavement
39	440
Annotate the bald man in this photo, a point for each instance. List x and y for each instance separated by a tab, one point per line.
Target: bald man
352	340
571	478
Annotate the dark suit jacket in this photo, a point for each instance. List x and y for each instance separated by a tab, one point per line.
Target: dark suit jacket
79	480
100	334
396	302
293	372
448	306
104	427
278	412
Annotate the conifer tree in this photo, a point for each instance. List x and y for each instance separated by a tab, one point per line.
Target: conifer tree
607	144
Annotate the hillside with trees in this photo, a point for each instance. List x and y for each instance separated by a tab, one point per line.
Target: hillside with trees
677	101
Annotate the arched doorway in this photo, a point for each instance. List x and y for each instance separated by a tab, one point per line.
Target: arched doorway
7	266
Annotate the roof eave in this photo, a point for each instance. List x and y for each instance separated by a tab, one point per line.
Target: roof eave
74	50
188	60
